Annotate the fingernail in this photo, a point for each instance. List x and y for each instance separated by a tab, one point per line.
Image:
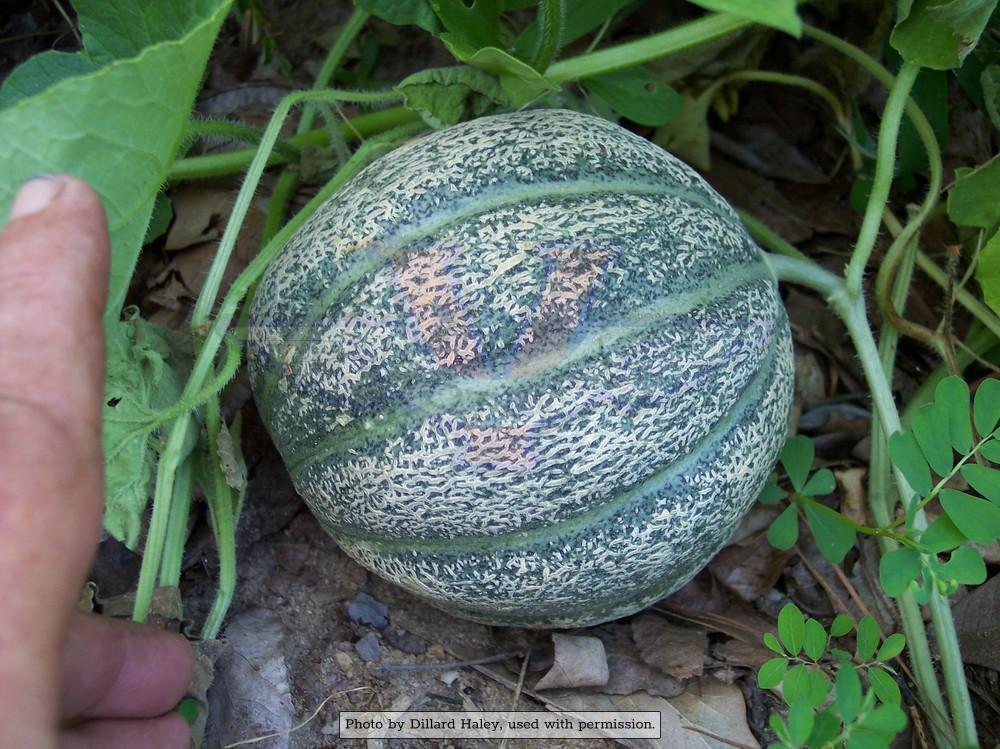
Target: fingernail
36	194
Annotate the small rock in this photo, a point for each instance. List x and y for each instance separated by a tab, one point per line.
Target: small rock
404	641
368	648
448	677
344	661
367	611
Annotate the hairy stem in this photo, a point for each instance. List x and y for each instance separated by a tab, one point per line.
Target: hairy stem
216	333
551	16
885	166
233	162
220	507
204	127
177	526
629	54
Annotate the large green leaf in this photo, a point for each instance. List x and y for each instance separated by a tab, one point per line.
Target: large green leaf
446	96
118	127
939	34
520	82
972	200
143	377
403	13
780	14
637	94
580	17
988	272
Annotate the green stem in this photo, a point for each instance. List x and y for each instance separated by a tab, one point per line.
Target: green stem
885	167
288	182
885	531
173	451
851	310
769	238
210	289
220	507
210	128
177	526
629	54
232	162
551	15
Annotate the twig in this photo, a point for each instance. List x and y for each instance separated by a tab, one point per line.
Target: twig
451	664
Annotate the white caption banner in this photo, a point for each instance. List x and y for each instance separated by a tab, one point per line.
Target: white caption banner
443	724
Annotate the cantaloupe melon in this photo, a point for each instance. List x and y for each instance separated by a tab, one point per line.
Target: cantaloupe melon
531	368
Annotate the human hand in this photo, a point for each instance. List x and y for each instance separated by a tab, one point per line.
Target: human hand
67	679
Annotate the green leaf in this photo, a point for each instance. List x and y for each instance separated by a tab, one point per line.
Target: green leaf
795	686
771	493
815	640
41	71
907	456
868	638
986	407
159	222
991	450
636	94
972	200
779	14
784	531
142	378
931	428
952	396
938	34
826	728
118	127
404	13
942	535
800	721
520	82
881	724
884	685
474	25
778	726
771	643
771	673
988	272
447	96
841	625
892	647
966	567
847	687
977	518
833	532
818	687
791	628
990	81
984	480
797	458
897	569
820	483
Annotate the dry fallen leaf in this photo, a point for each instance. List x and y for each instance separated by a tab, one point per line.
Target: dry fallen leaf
707	705
198	213
977	620
579	662
677	651
853	500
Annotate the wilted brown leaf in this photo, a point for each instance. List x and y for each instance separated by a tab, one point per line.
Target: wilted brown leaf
677	651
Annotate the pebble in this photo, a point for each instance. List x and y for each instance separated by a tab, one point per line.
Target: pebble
368	648
367	611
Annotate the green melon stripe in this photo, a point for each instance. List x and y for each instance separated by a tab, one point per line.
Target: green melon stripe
394	244
446	398
749	398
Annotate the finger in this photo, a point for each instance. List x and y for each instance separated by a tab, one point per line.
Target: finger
53	268
166	732
118	669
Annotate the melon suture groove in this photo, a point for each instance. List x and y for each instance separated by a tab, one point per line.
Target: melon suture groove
552	374
471	387
394	244
600	512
